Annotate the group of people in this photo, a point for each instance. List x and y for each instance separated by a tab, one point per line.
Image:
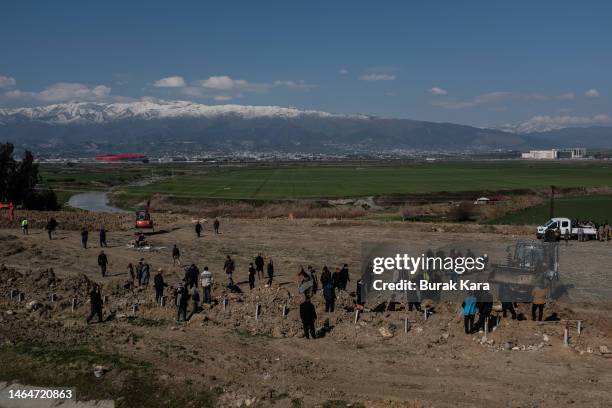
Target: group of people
481	303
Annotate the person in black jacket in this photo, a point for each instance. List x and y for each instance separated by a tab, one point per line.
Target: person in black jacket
251	276
344	278
198	229
159	285
84	236
51	227
95	299
103	238
259	266
270	273
192	273
308	314
102	262
176	256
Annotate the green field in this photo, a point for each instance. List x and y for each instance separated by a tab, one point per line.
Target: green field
597	208
331	181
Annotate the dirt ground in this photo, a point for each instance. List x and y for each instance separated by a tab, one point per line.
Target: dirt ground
266	362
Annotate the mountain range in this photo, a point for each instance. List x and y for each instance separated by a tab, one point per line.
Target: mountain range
87	128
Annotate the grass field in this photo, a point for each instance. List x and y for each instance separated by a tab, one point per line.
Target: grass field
596	208
331	181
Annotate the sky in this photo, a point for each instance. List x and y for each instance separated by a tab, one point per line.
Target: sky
483	63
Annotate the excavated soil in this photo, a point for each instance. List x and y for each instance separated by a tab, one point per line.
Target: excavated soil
385	358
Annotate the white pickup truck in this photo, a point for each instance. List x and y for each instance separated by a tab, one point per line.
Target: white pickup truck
567	228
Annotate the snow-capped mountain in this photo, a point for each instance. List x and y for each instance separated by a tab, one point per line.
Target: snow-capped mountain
172	126
90	112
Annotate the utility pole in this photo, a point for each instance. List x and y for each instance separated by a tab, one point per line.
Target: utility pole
552	201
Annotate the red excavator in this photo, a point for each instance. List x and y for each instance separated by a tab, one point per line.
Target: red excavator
143	218
11	210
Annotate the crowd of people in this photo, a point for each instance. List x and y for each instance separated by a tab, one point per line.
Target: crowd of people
196	285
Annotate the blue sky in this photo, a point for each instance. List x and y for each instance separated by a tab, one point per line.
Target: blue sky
476	62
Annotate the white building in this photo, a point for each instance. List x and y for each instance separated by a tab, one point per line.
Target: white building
553	154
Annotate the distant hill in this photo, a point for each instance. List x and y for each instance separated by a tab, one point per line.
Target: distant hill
91	128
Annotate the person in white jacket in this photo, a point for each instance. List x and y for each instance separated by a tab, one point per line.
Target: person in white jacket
206	279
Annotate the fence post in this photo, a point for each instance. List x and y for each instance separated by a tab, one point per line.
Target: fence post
284	311
257	311
73	305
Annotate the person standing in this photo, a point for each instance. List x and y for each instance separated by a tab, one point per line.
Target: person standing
315	281
51	227
191	276
159	285
505	296
308	314
259	267
176	256
336	276
195	300
344	277
251	276
485	307
24	226
206	279
146	274
538	295
103	238
216	225
95	300
270	273
139	269
84	237
130	276
102	263
469	312
304	282
181	299
198	229
229	266
329	290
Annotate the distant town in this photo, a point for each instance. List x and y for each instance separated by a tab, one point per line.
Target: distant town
577	153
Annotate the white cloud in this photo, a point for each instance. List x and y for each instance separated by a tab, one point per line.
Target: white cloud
294	84
542	123
484	99
343	71
566	96
377	77
438	91
62	91
592	93
170	82
226	83
7	82
223	98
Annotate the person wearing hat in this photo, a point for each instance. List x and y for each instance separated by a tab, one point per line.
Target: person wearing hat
159	285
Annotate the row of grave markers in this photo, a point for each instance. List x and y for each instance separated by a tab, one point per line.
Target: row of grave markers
162	302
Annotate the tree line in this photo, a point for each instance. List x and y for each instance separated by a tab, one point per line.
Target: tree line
18	181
